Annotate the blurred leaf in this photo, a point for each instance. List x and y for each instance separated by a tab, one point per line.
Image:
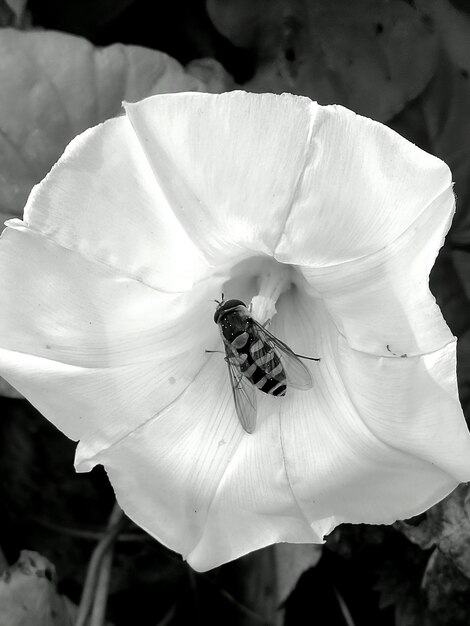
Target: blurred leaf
447	592
461	260
21	17
17	6
292	560
325	596
265	578
212	74
449	291
28	594
42	497
462	265
452	26
446	526
7	15
80	17
372	56
405	614
446	109
450	284
398	565
54	86
446	105
443	109
463	372
13	13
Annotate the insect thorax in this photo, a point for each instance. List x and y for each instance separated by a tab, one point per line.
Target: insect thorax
234	323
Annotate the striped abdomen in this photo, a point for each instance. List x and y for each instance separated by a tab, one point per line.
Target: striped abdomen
259	363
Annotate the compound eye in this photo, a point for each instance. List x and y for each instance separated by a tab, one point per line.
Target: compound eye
226	306
231	304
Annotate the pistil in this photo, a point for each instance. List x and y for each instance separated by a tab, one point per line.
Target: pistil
272	284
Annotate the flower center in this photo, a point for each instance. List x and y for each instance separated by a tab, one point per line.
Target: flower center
273	282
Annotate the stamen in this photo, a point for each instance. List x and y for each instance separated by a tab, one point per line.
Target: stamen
272	284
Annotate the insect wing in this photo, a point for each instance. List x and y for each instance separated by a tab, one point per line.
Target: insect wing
297	373
244	393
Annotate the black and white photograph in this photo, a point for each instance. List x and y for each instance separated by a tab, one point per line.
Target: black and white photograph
234	313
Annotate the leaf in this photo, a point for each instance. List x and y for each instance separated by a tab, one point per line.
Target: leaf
21	17
268	576
292	560
14	13
463	372
452	25
445	103
28	594
408	613
450	284
447	526
447	592
351	53
445	106
80	17
462	265
54	86
448	289
7	16
212	74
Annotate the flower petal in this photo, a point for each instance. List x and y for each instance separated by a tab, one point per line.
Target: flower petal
196	481
353	184
363	185
377	439
381	303
166	473
79	334
229	165
119	217
318	458
107	334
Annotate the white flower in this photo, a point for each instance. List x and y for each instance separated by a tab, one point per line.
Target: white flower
108	289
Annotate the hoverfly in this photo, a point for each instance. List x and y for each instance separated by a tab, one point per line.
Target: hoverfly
256	359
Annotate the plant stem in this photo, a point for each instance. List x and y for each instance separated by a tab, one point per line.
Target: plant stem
94	584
